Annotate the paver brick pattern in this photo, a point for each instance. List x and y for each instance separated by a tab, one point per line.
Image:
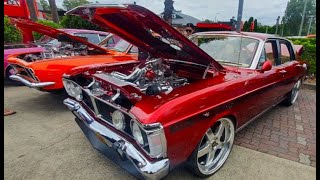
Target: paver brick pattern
286	132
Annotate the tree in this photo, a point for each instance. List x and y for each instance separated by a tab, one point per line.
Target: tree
45	5
46	23
76	22
293	15
10	33
70	4
32	10
255	25
207	21
168	8
250	20
246	26
54	11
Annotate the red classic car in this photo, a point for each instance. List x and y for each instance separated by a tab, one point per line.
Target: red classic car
45	46
45	72
187	100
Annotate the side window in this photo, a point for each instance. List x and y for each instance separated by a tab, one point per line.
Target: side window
262	58
110	41
102	36
269	51
286	54
133	49
92	38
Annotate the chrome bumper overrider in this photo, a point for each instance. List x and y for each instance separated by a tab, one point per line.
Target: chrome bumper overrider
150	170
30	84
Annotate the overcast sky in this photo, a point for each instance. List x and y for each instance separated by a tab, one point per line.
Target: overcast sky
266	11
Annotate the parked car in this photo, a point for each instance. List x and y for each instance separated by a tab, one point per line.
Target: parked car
47	46
187	100
45	74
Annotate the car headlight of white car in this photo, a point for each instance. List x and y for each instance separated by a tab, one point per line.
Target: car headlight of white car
73	89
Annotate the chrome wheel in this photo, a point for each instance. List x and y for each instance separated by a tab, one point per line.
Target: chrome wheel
295	91
215	146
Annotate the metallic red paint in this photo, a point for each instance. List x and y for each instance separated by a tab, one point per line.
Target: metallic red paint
266	66
146	30
187	112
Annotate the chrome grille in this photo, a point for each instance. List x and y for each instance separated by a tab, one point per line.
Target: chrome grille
25	71
31	74
87	100
104	110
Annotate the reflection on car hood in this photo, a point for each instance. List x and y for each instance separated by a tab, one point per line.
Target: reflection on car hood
145	30
51	32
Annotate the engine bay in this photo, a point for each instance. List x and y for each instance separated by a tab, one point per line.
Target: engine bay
56	51
127	83
152	77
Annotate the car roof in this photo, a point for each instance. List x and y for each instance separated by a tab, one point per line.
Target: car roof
262	36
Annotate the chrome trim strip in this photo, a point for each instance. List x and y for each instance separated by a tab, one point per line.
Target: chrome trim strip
150	170
30	84
254	118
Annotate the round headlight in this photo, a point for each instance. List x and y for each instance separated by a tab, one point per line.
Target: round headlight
73	90
118	120
78	93
67	85
136	132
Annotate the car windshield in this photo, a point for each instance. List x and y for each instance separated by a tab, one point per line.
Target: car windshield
49	40
92	38
228	50
121	46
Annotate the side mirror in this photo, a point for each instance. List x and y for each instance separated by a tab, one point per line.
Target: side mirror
266	66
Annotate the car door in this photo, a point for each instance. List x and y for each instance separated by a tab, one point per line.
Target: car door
269	80
288	68
261	85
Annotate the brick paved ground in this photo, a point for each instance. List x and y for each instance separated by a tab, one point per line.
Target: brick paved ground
287	132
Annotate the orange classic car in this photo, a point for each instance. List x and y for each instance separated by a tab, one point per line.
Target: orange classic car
46	74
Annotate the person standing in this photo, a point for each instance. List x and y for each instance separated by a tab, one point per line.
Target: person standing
189	29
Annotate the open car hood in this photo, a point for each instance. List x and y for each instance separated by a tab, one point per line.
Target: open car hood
145	30
51	32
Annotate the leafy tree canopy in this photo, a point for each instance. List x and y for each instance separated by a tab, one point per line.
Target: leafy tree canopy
45	5
208	21
293	15
11	34
69	4
75	22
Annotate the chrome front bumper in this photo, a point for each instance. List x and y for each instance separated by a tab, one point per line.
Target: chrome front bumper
149	170
30	84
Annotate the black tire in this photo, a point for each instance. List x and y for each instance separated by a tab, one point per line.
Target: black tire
193	164
293	94
8	73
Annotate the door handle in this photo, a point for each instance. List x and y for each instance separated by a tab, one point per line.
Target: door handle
282	71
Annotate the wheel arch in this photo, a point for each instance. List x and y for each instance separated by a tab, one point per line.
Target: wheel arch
233	119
